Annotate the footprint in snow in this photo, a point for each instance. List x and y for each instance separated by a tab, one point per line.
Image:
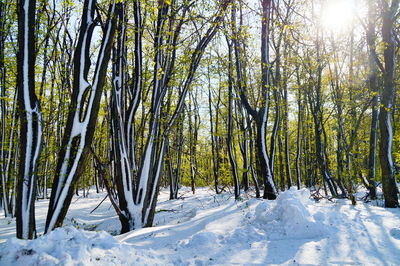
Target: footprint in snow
395	233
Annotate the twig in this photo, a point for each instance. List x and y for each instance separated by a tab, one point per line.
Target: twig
166	210
99	204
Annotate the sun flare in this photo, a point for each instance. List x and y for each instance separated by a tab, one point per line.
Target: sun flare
337	15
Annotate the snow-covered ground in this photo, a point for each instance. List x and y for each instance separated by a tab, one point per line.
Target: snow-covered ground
206	229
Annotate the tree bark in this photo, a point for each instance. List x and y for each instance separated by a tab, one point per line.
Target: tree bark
229	141
30	119
390	189
299	132
372	57
214	136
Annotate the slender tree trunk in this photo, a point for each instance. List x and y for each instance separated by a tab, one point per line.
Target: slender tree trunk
270	191
310	177
286	134
5	189
275	128
252	163
174	173
179	146
242	122
299	139
281	164
192	148
244	146
371	36
214	149
170	171
230	118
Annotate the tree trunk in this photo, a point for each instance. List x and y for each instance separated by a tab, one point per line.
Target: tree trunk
390	189
270	191
286	134
214	136
371	36
299	139
192	148
31	122
252	163
4	159
230	118
281	164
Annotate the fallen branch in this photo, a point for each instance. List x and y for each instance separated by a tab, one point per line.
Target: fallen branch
99	204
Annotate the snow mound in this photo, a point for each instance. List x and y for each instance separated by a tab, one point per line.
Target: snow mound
202	239
290	217
70	246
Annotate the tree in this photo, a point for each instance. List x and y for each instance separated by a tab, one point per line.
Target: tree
229	141
260	115
373	64
30	119
138	191
390	190
83	111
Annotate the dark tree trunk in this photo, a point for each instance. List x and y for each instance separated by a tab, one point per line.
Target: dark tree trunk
275	128
179	146
321	157
253	172
286	134
281	164
371	36
390	189
192	142
5	157
174	173
214	136
244	146
31	122
264	167
229	141
299	139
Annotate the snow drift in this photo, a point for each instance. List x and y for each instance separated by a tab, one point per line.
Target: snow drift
289	217
70	246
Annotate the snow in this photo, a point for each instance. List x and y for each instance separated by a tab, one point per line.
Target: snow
209	229
70	246
291	217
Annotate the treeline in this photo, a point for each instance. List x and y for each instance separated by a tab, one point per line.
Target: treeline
133	95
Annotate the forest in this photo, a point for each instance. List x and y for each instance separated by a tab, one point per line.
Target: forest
245	97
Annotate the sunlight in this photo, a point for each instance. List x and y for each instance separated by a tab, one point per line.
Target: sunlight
337	15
